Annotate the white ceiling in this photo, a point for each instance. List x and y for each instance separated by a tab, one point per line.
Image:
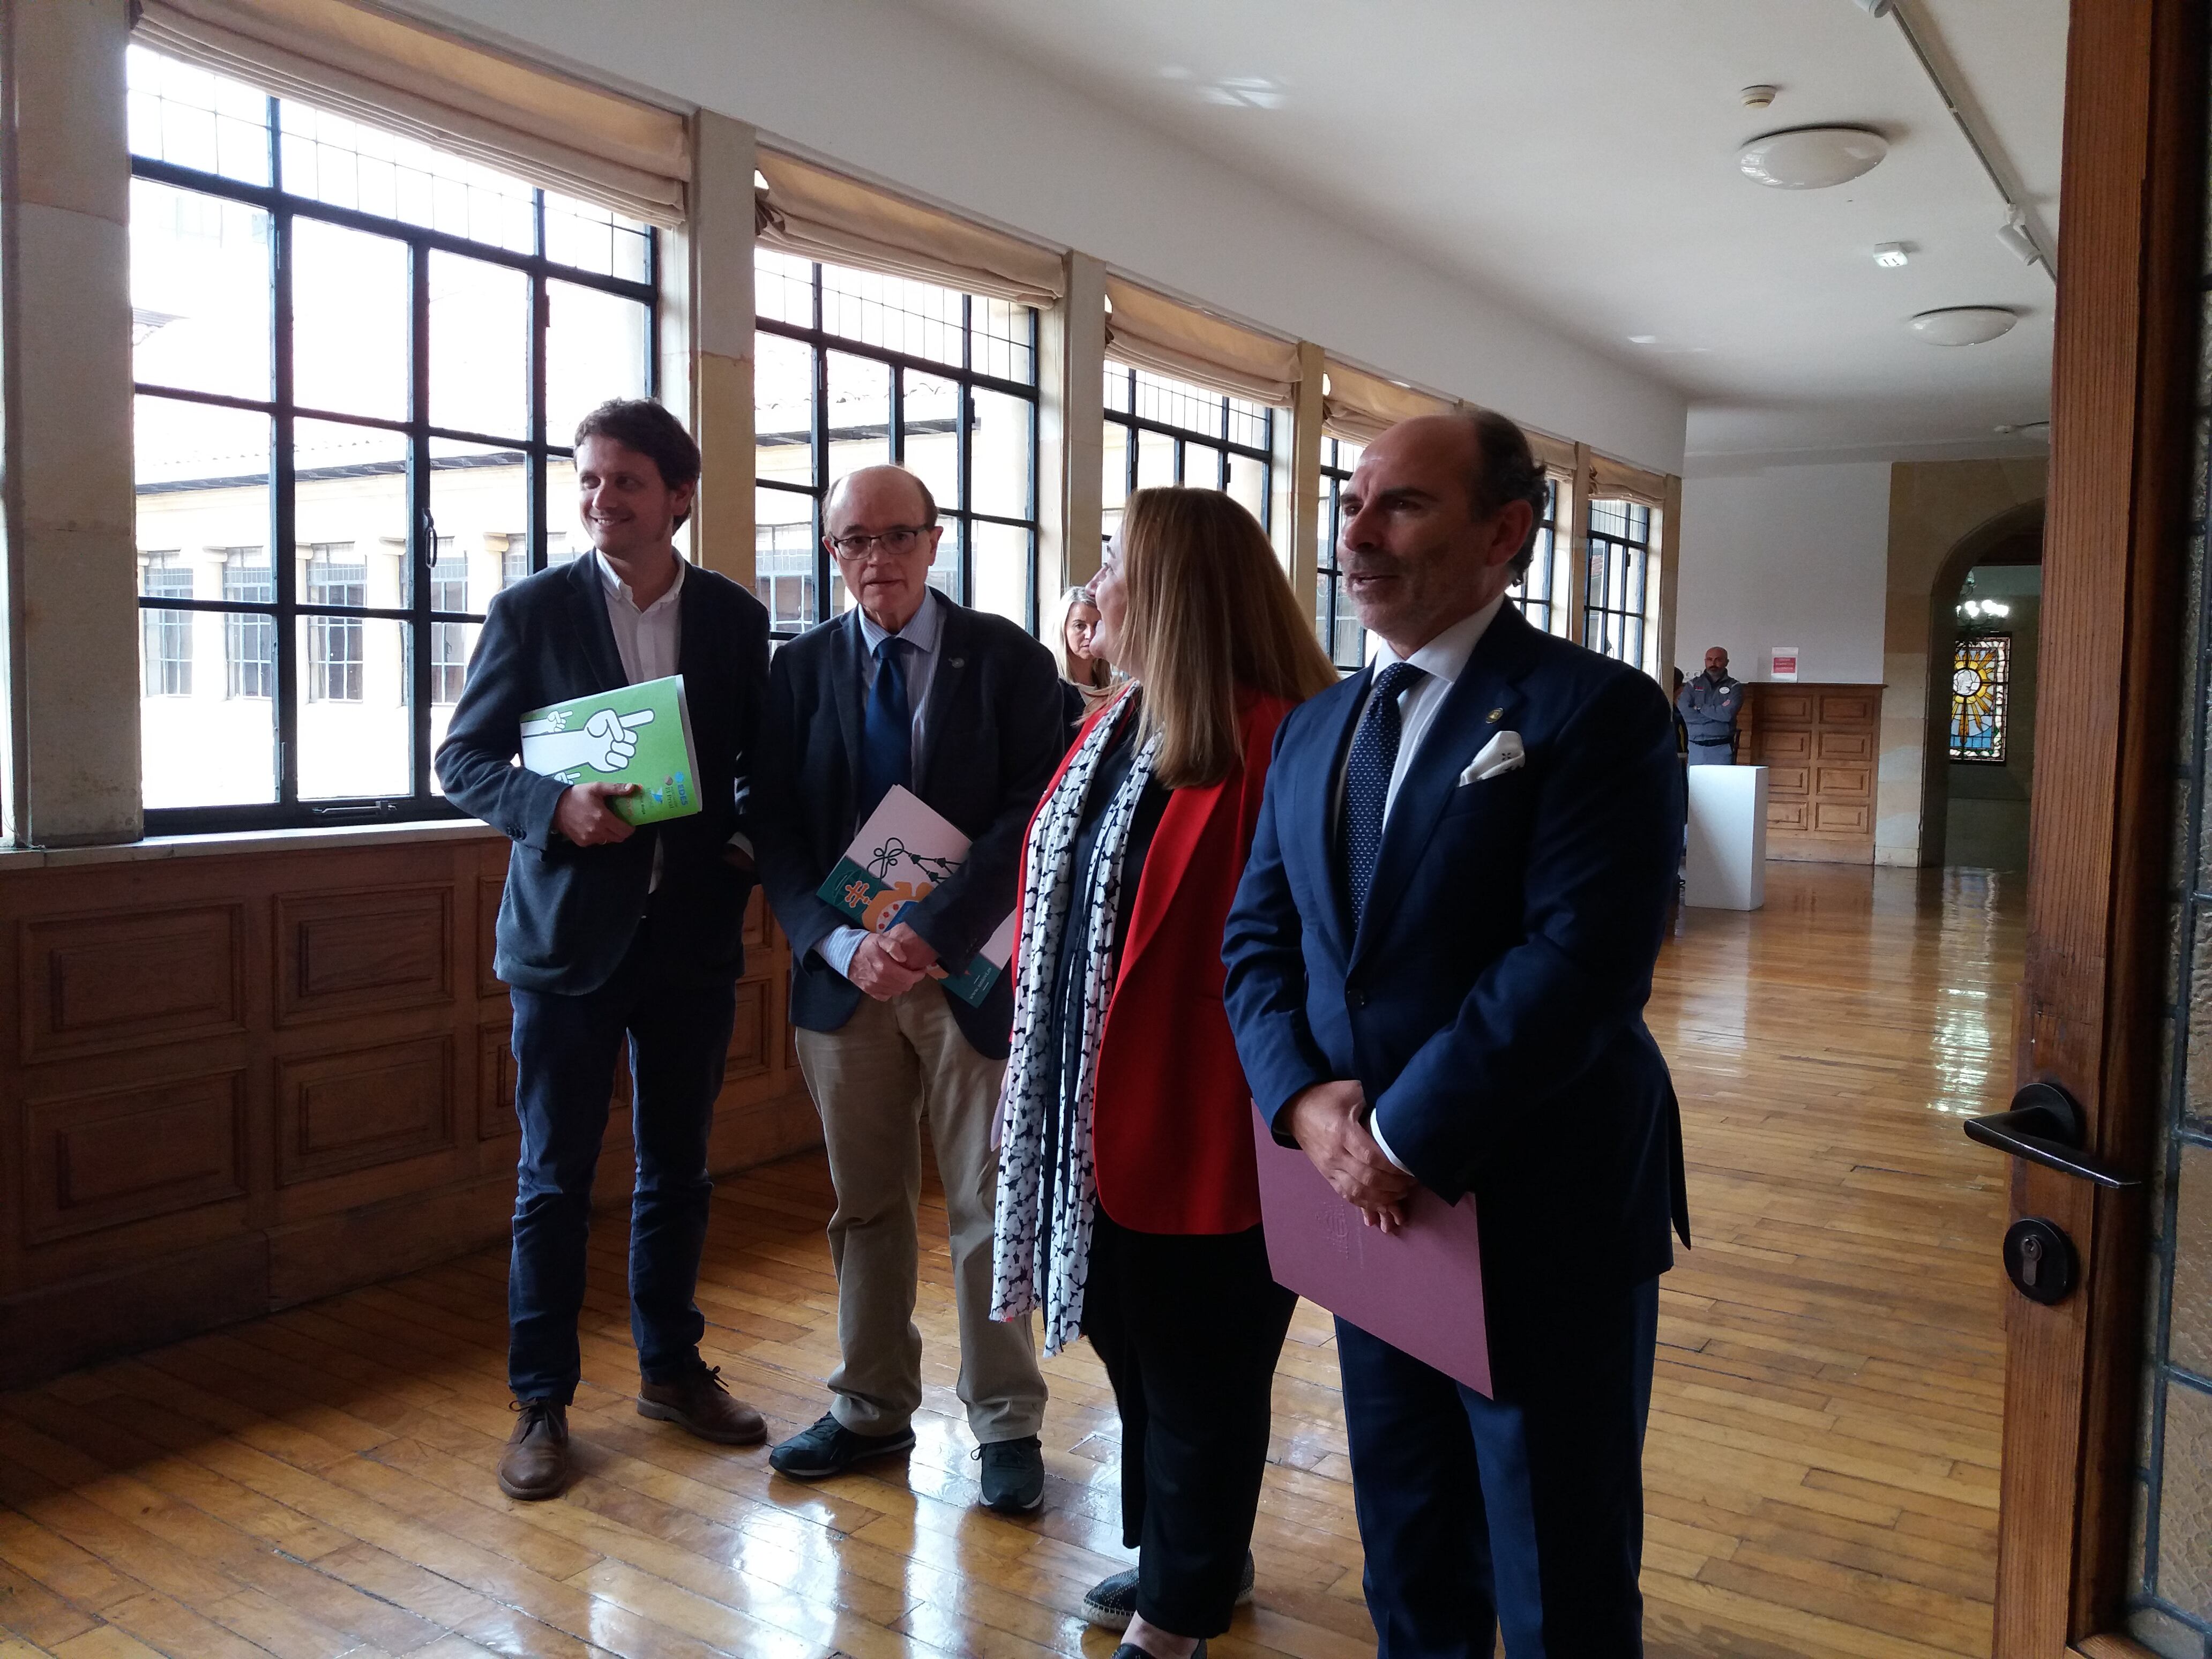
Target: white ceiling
1575	158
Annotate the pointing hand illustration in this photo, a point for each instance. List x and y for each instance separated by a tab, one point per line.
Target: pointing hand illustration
606	742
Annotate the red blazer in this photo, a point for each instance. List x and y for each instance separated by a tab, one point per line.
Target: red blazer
1172	1123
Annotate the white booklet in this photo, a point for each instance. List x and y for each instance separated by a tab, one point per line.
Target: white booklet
901	853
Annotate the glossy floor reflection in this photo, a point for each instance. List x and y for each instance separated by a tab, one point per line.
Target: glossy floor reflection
1821	1463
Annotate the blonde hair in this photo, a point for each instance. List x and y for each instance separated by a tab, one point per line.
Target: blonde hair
1097	673
1210	612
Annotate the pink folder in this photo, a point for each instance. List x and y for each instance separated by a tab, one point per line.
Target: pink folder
1419	1290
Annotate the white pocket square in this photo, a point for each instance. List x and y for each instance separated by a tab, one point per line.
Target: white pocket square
1501	755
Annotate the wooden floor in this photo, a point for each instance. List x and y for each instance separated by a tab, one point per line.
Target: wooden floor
1821	1464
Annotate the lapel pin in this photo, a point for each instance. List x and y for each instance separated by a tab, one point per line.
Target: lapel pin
957	662
1495	715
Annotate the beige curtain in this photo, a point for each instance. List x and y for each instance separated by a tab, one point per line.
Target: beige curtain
1617	481
1149	330
1553	454
1361	407
820	215
556	132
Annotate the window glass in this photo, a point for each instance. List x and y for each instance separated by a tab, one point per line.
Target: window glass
1613	620
1164	431
1540	591
941	382
305	631
1335	621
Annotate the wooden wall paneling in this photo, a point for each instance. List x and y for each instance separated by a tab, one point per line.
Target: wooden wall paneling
749	1038
1818	743
488	887
494	1083
341	955
354	1108
98	1160
94	983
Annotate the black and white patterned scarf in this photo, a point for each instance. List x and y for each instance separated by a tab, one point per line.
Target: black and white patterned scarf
1041	1255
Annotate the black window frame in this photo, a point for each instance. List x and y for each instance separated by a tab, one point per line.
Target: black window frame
1543	556
286	609
1633	553
1328	574
1264	452
820	342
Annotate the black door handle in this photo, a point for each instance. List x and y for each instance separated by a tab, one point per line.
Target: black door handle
2045	1125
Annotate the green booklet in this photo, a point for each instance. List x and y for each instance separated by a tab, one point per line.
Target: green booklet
639	734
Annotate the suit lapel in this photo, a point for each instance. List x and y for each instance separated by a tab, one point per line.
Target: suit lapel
587	605
954	646
695	647
1181	827
845	679
1483	700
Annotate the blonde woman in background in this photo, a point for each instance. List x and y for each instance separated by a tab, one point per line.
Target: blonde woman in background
1086	677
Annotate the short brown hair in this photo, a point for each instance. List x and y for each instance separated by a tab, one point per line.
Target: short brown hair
1506	469
1210	612
641	424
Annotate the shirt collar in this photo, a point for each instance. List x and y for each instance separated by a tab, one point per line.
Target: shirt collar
920	629
1445	657
616	586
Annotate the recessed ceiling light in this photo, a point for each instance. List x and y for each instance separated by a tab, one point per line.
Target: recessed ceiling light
1760	96
1963	325
1811	158
1891	256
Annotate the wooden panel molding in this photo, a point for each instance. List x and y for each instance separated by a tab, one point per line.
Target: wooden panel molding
1818	745
127	979
489	889
496	1082
101	1160
342	954
749	1036
345	1111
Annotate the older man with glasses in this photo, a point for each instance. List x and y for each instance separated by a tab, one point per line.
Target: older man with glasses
963	710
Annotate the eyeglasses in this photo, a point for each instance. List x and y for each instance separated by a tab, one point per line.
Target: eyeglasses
899	539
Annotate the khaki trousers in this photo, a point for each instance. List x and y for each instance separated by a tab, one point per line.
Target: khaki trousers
874	1079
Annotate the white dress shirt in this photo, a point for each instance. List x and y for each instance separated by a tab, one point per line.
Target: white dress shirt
920	633
1442	660
646	640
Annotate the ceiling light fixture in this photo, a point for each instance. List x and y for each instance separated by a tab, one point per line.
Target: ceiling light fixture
2013	237
1892	256
1876	7
1760	96
1811	158
1963	325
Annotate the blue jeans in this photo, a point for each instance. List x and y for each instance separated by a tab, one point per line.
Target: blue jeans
1523	1512
565	1049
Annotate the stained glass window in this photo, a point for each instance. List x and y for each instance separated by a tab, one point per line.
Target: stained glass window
1981	683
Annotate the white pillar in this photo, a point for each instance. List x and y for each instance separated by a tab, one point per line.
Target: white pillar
713	350
1070	431
71	654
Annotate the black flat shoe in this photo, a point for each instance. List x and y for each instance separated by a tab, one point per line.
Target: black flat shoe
830	1447
1111	1603
1131	1651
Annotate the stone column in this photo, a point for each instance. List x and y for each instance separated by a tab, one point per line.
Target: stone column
1301	480
71	572
1070	431
712	350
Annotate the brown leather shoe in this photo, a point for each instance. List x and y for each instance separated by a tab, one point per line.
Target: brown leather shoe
535	1463
701	1403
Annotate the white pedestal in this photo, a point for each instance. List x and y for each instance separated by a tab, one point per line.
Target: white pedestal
1726	869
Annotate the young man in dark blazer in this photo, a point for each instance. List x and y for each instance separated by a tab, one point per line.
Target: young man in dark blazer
963	708
1437	964
607	932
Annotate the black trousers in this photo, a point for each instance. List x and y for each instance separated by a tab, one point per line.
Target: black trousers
1190	1327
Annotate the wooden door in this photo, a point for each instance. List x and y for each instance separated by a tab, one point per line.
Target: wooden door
2102	839
1819	744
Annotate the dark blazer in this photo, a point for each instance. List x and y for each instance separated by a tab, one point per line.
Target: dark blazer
992	739
1172	1135
569	913
1492	1004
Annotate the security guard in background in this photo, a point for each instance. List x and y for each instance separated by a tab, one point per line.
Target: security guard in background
1708	705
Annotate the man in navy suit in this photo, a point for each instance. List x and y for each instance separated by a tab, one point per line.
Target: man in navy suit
1437	964
609	934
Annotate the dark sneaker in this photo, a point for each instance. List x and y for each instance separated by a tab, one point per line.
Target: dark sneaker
830	1447
1131	1651
1111	1603
1013	1475
702	1403
535	1464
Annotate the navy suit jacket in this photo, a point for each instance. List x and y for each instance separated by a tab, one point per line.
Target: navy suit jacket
993	739
1491	1003
569	913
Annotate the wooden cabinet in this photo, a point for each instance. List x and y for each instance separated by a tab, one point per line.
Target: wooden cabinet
235	1081
1820	746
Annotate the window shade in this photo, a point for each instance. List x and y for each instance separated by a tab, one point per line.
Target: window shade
1151	330
820	215
1617	481
581	140
1362	407
1553	454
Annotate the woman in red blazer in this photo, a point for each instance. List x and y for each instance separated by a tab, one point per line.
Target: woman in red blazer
1128	1201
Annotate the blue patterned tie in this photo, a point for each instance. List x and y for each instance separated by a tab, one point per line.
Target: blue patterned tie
887	737
1367	780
